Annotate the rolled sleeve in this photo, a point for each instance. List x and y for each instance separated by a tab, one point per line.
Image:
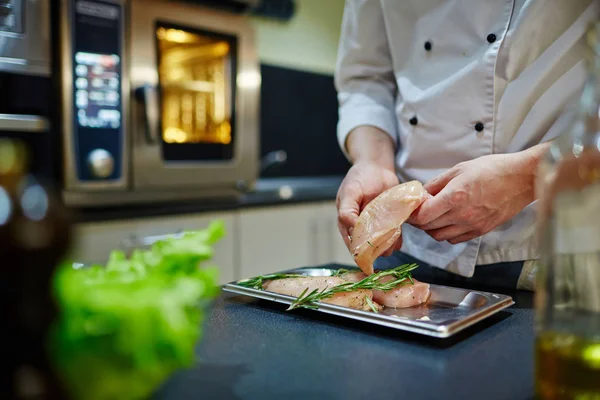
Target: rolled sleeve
364	75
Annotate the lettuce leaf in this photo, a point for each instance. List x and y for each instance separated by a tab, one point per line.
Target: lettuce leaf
125	327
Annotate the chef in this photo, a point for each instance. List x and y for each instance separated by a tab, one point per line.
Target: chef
464	96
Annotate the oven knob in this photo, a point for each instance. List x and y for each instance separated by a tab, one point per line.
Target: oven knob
101	163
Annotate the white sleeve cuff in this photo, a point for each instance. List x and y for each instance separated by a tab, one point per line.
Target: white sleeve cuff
360	110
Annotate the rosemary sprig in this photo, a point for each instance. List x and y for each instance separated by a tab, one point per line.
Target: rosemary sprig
401	274
339	272
257	282
371	304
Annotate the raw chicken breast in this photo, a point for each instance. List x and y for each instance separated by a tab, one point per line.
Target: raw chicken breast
406	295
353	276
380	223
295	287
357	277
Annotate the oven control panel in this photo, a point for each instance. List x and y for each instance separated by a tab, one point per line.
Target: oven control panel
97	94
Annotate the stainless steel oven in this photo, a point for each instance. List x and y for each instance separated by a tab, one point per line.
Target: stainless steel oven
25	81
25	36
159	102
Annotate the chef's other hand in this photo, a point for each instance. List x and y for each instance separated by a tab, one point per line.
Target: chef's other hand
372	172
474	197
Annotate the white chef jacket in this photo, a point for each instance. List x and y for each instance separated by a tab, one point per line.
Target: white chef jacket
453	80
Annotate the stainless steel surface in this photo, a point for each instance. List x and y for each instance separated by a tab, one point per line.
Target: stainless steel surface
147	177
148	97
91	199
23	123
149	169
101	163
25	44
72	182
448	311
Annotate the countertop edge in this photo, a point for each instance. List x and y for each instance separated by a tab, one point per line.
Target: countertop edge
268	193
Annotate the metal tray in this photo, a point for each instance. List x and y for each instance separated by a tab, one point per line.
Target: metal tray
448	311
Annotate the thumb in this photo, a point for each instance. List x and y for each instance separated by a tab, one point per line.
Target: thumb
349	207
346	220
348	213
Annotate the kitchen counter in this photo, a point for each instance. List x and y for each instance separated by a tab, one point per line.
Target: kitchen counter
253	349
267	192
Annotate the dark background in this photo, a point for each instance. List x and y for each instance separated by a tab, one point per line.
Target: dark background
299	113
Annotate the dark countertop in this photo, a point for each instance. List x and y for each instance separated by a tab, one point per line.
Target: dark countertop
253	349
267	192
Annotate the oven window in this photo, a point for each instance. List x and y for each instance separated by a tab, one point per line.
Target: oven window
197	75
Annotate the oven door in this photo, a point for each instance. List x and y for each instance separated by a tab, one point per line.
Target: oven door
196	79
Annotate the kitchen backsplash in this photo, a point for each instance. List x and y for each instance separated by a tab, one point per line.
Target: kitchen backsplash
299	113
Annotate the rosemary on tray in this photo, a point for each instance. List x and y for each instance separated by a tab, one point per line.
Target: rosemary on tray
257	282
371	304
338	272
400	274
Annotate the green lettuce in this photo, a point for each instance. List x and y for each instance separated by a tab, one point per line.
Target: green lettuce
124	328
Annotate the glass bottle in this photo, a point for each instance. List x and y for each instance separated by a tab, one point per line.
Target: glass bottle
34	236
567	296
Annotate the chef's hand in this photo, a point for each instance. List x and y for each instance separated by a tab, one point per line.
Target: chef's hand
372	172
476	196
363	182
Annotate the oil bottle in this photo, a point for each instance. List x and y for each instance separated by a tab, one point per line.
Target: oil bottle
34	236
567	299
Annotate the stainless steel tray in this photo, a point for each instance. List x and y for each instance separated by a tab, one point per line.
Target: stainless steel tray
448	311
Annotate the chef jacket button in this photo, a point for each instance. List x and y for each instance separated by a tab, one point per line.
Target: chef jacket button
491	38
414	121
428	45
479	127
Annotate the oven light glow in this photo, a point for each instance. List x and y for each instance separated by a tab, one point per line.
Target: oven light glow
176	35
174	135
221	135
224	132
248	80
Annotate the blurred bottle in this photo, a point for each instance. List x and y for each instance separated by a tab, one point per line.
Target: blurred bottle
34	236
568	282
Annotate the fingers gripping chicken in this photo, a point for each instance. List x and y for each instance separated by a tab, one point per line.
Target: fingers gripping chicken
379	225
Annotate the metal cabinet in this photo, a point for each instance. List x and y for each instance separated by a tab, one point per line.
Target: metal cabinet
335	250
258	240
94	241
278	238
